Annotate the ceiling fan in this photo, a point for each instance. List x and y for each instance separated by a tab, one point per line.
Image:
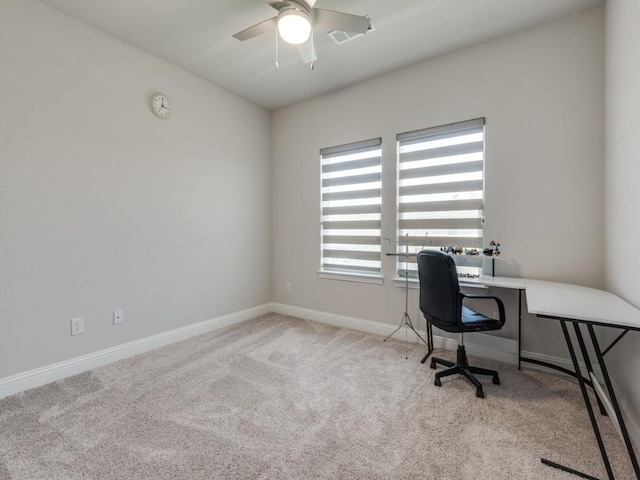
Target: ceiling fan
297	19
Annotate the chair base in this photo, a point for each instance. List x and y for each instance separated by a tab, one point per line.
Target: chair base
462	367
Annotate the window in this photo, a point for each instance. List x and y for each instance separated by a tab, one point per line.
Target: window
441	191
351	210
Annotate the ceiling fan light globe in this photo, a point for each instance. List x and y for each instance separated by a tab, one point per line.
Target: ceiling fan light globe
294	26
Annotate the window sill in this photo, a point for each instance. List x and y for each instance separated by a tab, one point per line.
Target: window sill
352	277
402	282
415	284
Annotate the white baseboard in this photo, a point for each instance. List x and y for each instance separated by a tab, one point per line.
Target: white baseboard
559	361
486	346
50	373
633	427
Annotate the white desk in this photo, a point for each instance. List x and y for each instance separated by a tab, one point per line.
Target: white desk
575	305
512	283
581	305
500	282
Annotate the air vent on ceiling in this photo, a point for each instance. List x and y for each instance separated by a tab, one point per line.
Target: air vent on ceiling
343	37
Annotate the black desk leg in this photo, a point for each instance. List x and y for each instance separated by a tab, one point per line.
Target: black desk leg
549	463
587	402
587	362
519	326
429	342
614	401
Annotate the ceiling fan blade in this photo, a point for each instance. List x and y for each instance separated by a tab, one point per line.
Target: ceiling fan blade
307	52
311	3
343	22
258	29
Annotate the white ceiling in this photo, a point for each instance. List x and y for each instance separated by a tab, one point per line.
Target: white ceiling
197	36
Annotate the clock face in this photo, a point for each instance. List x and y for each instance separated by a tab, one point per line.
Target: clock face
160	106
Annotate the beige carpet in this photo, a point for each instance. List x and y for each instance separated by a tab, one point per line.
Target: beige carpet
282	398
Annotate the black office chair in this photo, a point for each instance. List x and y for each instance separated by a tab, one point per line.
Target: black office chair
441	304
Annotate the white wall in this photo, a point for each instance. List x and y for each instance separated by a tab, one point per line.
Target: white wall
102	205
541	92
622	182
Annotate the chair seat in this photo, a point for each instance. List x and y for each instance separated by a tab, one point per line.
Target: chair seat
476	322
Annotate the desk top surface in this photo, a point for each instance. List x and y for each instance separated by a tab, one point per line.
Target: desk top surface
500	282
580	303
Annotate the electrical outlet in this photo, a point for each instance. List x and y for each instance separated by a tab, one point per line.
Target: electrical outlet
118	316
287	287
77	326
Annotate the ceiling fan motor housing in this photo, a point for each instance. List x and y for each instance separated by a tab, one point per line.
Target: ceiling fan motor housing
294	23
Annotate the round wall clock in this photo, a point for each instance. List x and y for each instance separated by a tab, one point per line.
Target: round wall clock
160	105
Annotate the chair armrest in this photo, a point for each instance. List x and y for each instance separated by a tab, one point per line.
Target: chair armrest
489	297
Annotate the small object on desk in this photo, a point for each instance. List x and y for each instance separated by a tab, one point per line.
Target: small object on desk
493	250
468	275
452	250
456	250
496	247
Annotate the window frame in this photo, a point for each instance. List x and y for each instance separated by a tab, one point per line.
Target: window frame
372	168
450	130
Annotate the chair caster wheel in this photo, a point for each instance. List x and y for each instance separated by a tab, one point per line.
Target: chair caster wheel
496	381
479	393
437	382
433	364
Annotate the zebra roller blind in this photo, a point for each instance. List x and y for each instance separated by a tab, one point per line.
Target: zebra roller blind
440	188
351	208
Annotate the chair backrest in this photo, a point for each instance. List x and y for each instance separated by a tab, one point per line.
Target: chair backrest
439	289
